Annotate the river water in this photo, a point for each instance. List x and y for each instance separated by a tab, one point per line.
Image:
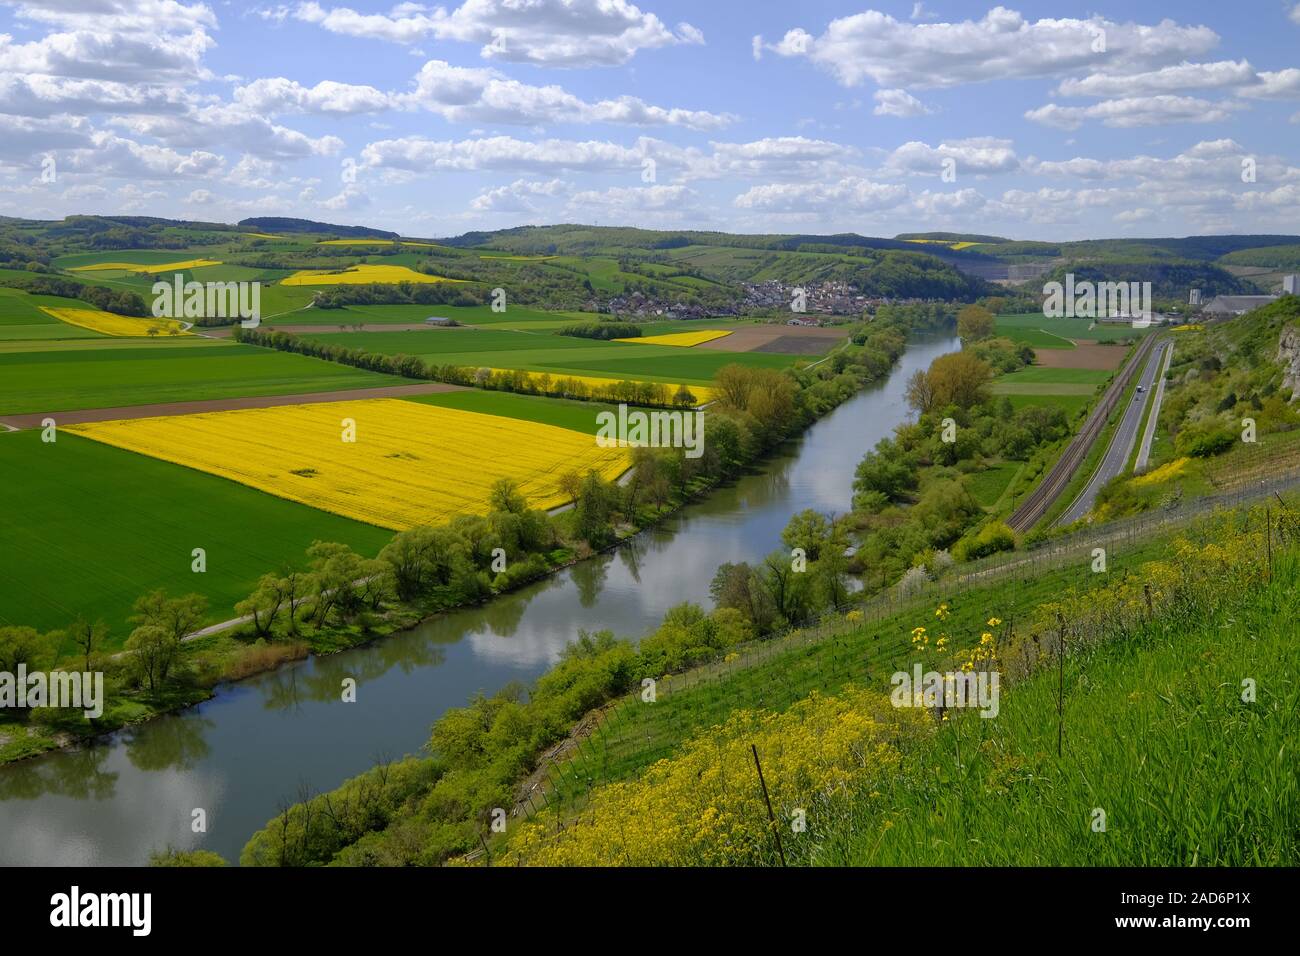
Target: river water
267	741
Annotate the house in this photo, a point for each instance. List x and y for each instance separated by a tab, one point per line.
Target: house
439	320
804	322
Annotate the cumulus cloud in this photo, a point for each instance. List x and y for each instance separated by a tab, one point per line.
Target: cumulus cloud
1210	162
418	154
1002	44
1169	79
978	155
851	194
469	95
1134	111
231	127
898	103
559	33
517	197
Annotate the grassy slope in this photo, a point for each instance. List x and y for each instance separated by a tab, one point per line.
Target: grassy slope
1156	736
62	379
89	528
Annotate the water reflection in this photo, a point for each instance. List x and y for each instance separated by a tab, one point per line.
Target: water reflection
261	741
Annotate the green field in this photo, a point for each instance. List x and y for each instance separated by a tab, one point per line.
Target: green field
1042	332
578	416
556	354
1070	388
89	528
987	486
60	379
514	316
21	318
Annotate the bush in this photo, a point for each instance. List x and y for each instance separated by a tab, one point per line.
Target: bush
990	539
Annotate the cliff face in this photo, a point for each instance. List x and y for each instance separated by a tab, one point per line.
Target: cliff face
1288	356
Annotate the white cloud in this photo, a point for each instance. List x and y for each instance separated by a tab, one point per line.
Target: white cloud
112	156
1169	79
979	156
1002	44
563	33
517	197
851	194
1134	111
468	95
1279	85
417	154
231	127
1211	162
898	103
42	95
277	95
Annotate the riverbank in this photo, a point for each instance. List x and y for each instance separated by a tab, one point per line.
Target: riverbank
231	651
262	742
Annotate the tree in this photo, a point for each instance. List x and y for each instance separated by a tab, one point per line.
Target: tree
960	379
336	572
25	645
153	653
175	617
920	396
594	510
87	636
809	530
739	586
974	322
570	484
264	604
505	496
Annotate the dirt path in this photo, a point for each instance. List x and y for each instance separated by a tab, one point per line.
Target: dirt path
82	415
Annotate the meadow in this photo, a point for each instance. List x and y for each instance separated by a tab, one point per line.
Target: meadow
1042	332
554	354
61	377
90	528
387	462
1070	388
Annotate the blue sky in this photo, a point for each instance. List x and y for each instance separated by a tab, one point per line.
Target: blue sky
1035	119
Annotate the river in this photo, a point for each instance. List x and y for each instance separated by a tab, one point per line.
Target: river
268	740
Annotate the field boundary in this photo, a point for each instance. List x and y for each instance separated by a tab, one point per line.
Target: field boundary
85	416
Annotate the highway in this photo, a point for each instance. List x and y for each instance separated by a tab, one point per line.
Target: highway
1121	444
1045	493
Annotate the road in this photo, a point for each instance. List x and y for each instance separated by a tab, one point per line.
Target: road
1045	493
1144	450
1121	444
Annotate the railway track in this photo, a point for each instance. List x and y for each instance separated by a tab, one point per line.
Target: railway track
1043	496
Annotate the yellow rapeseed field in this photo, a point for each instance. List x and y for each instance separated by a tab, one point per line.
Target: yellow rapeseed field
109	324
681	339
362	274
355	242
150	269
411	464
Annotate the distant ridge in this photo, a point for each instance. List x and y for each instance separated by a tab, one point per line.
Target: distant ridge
288	224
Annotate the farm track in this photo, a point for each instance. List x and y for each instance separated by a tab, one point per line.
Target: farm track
86	415
1058	477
